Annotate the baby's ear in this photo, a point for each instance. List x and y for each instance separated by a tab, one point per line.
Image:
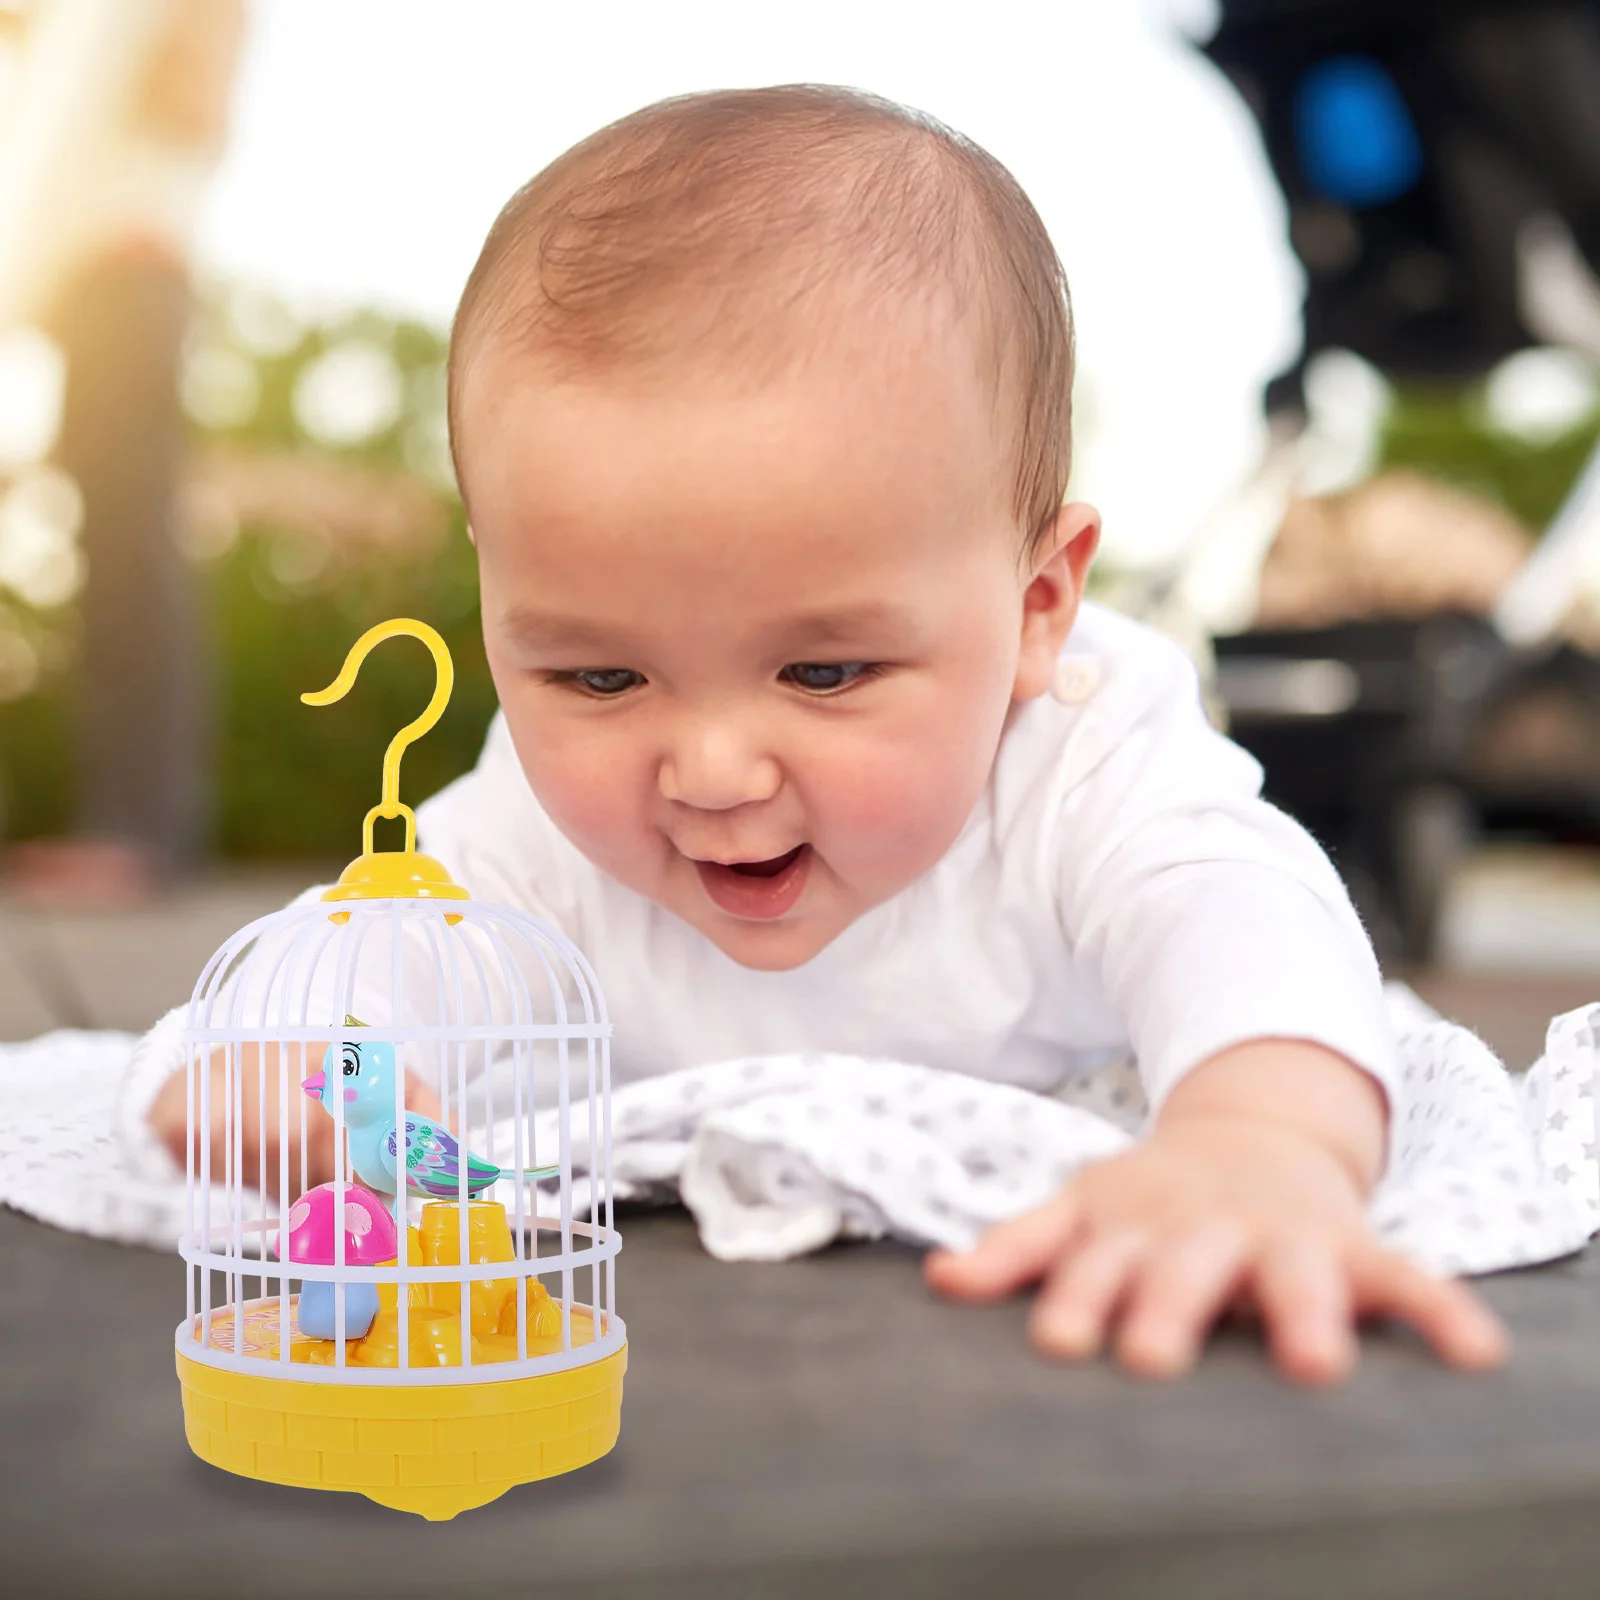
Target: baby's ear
1059	566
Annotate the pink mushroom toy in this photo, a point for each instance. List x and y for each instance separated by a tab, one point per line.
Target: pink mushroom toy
369	1239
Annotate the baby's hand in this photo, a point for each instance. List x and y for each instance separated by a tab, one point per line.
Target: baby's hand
260	1121
1213	1210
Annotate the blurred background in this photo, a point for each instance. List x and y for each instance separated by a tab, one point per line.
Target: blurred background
1335	269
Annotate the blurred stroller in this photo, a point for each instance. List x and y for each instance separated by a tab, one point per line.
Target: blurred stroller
1441	164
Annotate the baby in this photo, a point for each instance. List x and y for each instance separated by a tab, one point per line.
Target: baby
760	409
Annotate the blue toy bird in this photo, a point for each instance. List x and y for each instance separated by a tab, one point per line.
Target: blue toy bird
433	1154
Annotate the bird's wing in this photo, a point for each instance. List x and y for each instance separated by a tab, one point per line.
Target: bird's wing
434	1158
386	1158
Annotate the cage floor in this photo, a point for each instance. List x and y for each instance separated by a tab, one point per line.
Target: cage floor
434	1334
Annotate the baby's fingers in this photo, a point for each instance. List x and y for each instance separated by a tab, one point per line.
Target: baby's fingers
1302	1291
1183	1289
1008	1256
1082	1295
1464	1331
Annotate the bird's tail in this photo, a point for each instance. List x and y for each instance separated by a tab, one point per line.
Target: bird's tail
537	1174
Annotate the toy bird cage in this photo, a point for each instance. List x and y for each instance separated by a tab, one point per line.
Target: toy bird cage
400	1247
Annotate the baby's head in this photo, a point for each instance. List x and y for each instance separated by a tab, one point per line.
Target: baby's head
760	404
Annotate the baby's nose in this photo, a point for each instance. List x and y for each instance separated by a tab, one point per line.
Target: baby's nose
713	766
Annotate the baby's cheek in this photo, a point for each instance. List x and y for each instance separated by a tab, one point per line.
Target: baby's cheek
871	795
586	798
899	804
904	785
591	792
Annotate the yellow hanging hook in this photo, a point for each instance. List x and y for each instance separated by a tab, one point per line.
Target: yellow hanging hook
393	874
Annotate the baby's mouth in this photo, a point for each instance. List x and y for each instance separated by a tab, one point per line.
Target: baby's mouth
758	891
766	869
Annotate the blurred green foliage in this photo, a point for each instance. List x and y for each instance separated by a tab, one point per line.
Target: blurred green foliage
36	762
1443	432
292	781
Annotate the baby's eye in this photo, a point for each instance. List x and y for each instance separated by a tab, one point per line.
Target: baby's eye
826	677
602	681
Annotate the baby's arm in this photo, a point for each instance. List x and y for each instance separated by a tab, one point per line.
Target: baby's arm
1223	938
259	1128
1251	1187
261	1124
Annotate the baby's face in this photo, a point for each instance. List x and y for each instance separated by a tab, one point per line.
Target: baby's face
757	649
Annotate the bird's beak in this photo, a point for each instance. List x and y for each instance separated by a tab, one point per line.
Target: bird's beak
316	1083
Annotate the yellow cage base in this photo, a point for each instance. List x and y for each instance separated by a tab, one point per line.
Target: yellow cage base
435	1450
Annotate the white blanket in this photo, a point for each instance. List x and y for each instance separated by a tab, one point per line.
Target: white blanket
778	1155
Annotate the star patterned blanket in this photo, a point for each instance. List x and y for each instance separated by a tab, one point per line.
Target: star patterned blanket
779	1155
